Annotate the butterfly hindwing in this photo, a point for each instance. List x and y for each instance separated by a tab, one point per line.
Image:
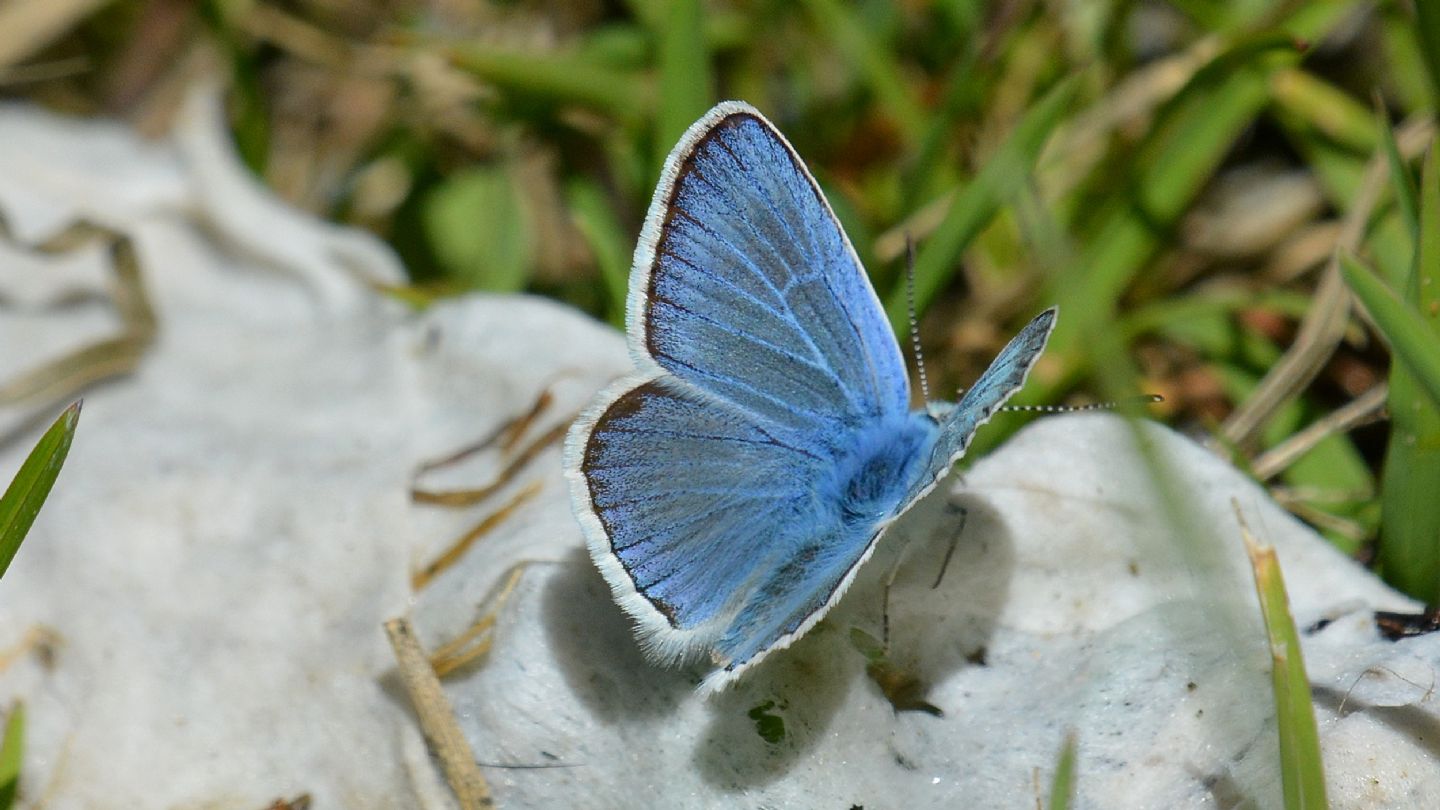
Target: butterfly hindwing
687	495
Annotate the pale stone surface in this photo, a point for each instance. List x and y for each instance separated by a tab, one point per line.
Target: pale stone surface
233	526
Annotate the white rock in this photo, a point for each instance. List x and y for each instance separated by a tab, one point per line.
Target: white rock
233	526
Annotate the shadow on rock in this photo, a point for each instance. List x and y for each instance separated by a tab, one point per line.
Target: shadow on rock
599	656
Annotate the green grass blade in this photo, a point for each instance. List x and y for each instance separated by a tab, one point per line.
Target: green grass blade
858	44
1302	771
1341	174
22	500
1409	552
559	78
1408	556
1327	108
1423	289
684	74
249	113
1428	31
1413	340
12	750
975	205
1170	170
925	178
1406	70
595	217
1194	136
1406	197
1062	785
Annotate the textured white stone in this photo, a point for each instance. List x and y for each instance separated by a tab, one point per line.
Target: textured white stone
233	525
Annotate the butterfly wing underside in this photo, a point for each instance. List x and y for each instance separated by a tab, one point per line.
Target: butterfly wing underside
1005	376
761	350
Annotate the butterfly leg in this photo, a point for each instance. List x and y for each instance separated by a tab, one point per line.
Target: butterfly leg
952	509
886	584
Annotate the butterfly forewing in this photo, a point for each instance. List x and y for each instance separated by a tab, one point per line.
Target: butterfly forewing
752	292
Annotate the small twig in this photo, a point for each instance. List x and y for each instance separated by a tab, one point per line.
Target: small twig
506	435
1324	324
451	555
470	497
28	26
464	648
1358	411
44	71
1319	518
67	376
437	719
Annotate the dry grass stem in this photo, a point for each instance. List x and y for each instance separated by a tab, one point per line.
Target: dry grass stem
437	719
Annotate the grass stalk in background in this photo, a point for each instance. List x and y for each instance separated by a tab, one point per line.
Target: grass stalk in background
595	216
560	79
685	75
977	203
1409	553
862	47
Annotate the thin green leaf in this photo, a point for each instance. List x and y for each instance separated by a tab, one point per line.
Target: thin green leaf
1170	171
1406	198
1341	172
1302	770
926	176
649	12
1423	289
1327	108
248	100
861	47
975	205
1162	314
1196	133
1409	552
595	217
1427	30
1405	67
12	751
1408	556
685	80
559	78
1413	340
1062	785
31	486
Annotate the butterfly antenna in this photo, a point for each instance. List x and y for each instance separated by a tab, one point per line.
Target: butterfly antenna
914	320
1143	399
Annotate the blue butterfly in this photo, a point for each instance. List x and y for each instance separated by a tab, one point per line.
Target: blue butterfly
731	487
